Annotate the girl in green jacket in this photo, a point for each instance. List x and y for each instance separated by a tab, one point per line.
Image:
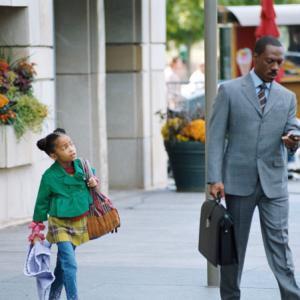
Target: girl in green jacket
63	199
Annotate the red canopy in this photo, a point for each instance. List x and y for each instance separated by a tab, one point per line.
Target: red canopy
268	26
267	20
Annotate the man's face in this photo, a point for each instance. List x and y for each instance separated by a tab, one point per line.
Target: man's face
178	65
267	64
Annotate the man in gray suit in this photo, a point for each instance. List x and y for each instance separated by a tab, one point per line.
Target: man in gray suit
252	123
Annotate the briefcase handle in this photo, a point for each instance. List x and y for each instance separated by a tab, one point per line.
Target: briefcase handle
218	199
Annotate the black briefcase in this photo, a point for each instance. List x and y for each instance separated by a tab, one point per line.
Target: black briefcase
216	235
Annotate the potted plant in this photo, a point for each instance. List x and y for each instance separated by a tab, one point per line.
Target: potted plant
20	112
184	138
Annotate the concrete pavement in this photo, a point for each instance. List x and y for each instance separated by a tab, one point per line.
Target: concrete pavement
153	257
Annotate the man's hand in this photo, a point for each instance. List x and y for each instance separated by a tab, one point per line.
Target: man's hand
215	189
290	141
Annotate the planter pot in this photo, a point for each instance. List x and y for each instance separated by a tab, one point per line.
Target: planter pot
187	160
14	152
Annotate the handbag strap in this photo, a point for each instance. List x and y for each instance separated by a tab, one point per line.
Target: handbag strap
87	169
95	191
88	173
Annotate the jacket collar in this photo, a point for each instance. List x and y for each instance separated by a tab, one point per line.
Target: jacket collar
257	80
250	93
60	171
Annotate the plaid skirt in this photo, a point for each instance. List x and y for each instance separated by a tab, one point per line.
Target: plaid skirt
63	230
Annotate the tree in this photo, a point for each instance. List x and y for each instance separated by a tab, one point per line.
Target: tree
185	22
185	18
239	2
254	2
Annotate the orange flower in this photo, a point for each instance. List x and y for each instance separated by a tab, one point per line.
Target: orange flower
11	114
4	118
8	118
4	66
3	100
195	130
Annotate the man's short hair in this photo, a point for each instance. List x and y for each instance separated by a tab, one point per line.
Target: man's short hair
174	60
261	43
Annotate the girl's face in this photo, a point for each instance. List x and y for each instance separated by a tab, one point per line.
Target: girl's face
65	150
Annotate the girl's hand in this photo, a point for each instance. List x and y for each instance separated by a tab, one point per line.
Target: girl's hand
93	182
36	239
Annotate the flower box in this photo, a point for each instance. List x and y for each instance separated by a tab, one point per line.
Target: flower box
15	152
18	105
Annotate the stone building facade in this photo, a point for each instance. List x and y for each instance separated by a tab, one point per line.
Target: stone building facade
100	70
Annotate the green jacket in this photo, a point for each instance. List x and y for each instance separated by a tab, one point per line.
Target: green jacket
62	195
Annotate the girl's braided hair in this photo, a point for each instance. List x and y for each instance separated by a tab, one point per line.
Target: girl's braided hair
47	144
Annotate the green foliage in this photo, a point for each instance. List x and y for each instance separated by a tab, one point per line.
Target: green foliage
255	2
185	18
185	21
31	114
239	2
18	107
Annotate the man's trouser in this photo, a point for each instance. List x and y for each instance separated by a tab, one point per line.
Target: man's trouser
273	215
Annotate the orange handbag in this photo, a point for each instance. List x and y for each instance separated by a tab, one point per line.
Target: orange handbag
103	217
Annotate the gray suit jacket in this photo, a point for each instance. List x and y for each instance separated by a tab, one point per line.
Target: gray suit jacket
254	148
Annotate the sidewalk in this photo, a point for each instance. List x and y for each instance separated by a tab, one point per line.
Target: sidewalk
153	257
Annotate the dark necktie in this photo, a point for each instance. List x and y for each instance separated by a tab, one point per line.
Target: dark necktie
262	96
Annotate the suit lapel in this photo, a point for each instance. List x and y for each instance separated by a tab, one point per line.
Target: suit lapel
272	98
250	93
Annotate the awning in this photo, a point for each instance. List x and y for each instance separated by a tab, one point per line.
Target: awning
286	14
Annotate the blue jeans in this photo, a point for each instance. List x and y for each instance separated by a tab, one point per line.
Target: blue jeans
65	272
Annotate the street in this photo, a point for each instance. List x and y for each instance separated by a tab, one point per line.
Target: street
154	255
